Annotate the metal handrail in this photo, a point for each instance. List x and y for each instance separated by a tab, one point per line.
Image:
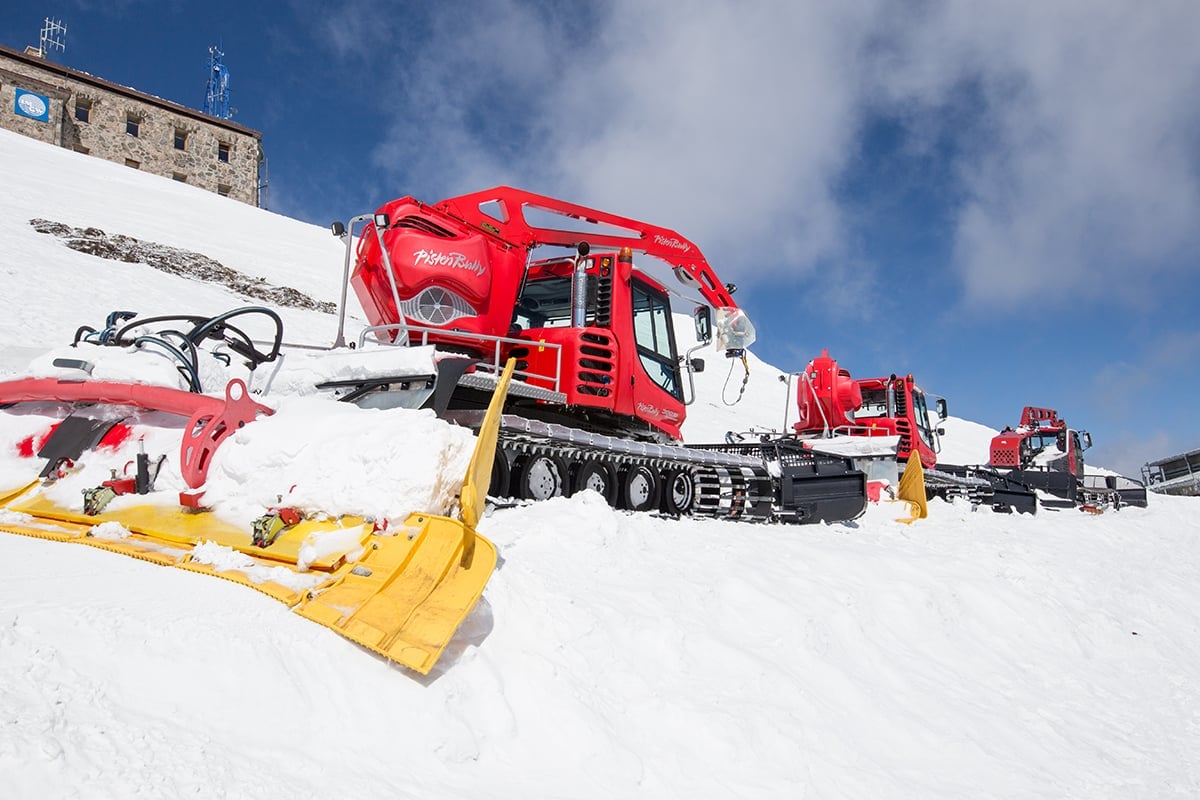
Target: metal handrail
494	367
862	430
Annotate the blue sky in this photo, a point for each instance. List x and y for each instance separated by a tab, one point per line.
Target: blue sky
1002	198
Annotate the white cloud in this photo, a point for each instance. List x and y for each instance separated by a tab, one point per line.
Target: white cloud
1085	175
1073	125
728	122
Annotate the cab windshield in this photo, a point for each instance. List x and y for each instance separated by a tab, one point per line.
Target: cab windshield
874	404
921	414
545	300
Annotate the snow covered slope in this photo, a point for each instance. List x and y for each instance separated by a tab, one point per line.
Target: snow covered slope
613	655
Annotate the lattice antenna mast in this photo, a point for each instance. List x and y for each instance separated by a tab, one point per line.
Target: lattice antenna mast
216	98
54	36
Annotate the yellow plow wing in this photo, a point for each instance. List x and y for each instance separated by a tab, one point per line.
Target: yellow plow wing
402	593
912	489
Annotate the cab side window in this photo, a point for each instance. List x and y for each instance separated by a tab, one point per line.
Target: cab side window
655	338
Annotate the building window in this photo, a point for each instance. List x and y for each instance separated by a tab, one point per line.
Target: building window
179	176
83	110
180	139
223	151
132	123
223	189
129	162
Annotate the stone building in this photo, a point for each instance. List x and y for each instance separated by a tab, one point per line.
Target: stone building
73	109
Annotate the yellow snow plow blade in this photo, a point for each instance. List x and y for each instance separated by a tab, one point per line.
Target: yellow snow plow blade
402	593
406	604
443	576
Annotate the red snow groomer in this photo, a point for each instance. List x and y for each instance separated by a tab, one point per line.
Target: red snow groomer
587	326
830	400
599	394
833	405
1044	453
1039	429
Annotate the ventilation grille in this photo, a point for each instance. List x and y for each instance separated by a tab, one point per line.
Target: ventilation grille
423	225
905	431
436	306
595	367
1004	458
604	301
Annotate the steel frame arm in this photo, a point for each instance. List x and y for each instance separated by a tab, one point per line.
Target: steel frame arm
512	227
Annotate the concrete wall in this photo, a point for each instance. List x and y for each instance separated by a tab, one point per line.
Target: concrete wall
105	132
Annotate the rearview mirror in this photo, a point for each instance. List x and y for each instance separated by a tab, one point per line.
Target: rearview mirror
703	319
941	407
697	365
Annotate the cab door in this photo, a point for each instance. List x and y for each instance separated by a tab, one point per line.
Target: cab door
656	380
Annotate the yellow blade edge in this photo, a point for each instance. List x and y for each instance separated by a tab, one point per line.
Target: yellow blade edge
912	489
9	494
473	496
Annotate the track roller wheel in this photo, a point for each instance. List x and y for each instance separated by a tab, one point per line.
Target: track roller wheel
639	489
539	477
501	475
679	492
597	476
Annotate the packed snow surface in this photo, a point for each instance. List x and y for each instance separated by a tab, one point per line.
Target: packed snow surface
969	654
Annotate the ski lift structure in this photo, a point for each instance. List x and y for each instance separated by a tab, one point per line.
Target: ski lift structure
1178	475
